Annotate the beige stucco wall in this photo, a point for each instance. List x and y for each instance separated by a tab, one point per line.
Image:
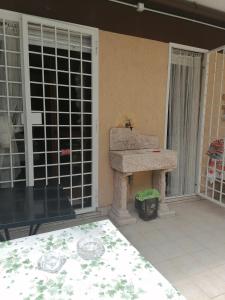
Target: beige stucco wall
132	83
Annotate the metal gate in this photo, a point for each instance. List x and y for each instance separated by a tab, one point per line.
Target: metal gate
212	165
51	95
12	145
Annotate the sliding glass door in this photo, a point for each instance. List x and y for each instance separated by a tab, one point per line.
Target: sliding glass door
60	109
184	108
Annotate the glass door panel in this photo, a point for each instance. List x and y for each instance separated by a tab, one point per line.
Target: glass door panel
46	106
60	70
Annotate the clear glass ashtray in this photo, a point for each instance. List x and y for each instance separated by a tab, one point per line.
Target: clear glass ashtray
51	262
90	248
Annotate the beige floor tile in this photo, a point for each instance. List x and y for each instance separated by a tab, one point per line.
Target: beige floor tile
172	233
188	249
211	284
208	258
216	245
221	297
143	230
190	290
170	271
189	245
203	237
157	238
170	250
188	265
219	271
152	254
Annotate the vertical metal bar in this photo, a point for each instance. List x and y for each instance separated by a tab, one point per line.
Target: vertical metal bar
44	110
30	230
2	239
221	90
36	229
59	198
82	120
212	102
7	234
219	120
202	121
211	118
95	143
27	105
57	101
23	100
70	119
167	95
222	174
210	128
7	97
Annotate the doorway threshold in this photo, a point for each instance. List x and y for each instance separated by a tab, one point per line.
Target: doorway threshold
182	198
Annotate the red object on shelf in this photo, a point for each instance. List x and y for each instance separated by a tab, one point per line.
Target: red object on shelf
65	152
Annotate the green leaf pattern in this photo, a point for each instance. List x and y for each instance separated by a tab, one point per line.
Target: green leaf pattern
121	273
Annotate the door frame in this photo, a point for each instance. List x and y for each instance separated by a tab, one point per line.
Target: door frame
23	19
188	48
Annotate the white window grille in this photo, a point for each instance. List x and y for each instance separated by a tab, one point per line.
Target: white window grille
12	149
212	168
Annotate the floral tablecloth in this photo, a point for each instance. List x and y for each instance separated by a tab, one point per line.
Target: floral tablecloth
121	273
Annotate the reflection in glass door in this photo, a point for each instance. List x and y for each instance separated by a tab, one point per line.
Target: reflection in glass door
12	150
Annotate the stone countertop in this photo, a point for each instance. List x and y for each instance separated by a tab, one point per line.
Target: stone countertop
131	161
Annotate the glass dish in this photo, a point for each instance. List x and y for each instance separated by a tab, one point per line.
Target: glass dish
51	262
90	248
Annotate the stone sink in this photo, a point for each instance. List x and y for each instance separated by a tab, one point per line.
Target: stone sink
131	161
131	152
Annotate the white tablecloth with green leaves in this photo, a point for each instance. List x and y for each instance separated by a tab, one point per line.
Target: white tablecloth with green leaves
121	273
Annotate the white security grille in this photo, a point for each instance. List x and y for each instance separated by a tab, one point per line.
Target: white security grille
61	95
12	150
48	106
212	170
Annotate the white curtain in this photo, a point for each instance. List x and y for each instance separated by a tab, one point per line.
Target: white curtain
183	120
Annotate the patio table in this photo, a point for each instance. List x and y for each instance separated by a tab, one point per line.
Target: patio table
32	206
120	273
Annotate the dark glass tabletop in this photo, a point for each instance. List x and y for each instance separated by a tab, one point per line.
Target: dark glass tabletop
32	206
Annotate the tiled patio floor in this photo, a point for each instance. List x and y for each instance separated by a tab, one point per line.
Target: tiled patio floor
188	249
